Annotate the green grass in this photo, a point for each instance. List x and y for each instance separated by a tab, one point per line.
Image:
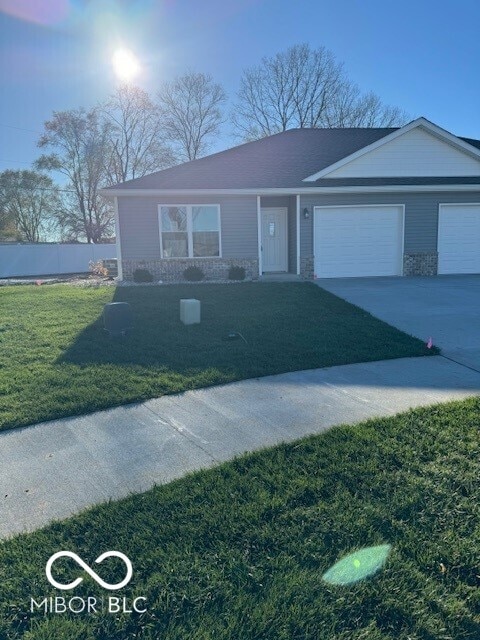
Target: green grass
237	552
56	360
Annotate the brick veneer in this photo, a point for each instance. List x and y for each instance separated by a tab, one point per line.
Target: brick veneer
423	263
420	264
171	270
306	268
414	264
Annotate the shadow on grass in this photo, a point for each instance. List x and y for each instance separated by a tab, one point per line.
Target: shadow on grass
286	327
159	339
63	363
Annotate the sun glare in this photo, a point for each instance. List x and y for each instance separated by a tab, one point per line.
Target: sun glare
125	65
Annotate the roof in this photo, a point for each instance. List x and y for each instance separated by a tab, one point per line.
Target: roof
281	161
474	143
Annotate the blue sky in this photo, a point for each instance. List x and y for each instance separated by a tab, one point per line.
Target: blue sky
55	54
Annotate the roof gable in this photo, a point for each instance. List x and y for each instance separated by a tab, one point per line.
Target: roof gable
418	149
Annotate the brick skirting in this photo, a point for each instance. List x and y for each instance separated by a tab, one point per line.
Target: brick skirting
171	270
423	263
306	268
420	264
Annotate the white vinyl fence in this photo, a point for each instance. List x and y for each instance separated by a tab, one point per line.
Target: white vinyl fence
18	260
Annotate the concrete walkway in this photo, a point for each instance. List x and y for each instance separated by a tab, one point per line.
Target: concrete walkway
51	470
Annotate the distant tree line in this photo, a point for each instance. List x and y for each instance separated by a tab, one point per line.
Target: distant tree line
132	134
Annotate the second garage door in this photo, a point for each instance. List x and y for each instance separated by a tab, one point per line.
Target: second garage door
358	241
459	238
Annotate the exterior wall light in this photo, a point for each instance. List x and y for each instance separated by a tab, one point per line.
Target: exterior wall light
306	213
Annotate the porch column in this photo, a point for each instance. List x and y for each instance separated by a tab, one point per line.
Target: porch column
118	239
259	230
298	234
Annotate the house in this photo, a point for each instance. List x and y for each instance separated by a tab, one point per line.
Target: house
322	203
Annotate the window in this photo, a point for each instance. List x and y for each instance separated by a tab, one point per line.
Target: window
190	231
205	232
174	232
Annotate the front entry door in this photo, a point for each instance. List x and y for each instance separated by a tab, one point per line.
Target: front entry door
274	239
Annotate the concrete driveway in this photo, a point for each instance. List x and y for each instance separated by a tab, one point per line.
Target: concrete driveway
447	308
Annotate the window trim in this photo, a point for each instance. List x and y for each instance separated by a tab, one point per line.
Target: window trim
189	208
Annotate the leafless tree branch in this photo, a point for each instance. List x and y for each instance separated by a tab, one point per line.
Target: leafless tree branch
137	145
301	87
80	142
191	108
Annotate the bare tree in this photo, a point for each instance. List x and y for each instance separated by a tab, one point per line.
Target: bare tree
372	112
31	200
191	108
135	134
350	108
80	143
301	87
8	229
291	89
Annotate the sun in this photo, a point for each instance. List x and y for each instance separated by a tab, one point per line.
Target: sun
125	65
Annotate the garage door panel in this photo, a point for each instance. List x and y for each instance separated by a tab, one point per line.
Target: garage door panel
459	238
358	241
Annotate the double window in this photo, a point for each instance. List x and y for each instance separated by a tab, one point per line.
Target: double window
189	231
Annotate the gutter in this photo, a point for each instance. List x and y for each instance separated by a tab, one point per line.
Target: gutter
290	191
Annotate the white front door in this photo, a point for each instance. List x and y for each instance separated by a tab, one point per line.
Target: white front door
274	239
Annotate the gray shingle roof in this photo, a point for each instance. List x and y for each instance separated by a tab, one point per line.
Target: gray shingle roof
474	143
279	161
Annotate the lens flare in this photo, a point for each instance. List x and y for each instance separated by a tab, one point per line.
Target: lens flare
125	65
357	565
45	13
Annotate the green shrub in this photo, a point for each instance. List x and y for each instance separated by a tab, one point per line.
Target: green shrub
142	275
193	274
236	273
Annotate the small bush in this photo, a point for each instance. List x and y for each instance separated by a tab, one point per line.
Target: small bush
193	274
236	273
98	268
142	275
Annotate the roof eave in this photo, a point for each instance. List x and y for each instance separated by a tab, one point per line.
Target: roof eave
289	191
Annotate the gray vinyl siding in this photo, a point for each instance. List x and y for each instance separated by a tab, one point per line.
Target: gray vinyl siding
421	214
274	201
140	239
138	223
138	217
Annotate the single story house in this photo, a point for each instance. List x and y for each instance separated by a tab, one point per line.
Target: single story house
320	203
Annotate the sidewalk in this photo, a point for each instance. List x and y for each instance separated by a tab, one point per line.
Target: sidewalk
54	469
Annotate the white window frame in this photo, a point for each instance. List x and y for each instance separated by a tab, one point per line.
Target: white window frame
189	208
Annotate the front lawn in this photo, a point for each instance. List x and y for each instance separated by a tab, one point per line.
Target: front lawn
56	360
237	552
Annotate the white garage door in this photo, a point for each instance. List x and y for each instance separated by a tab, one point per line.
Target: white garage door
459	238
358	241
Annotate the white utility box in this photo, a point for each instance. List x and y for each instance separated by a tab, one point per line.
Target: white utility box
190	311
